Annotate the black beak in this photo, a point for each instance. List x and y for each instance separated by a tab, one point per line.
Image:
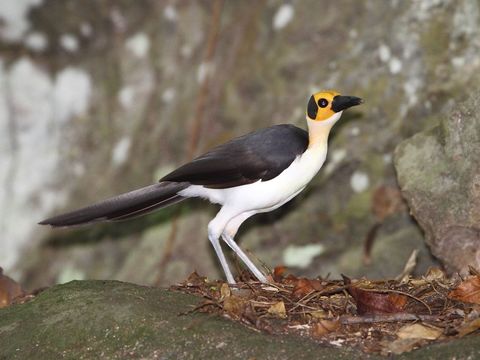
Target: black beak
341	103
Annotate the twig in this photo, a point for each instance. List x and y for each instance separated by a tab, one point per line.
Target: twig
473	271
376	318
202	305
333	291
368	243
409	266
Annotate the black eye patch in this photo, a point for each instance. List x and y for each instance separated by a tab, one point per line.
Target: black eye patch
312	108
322	102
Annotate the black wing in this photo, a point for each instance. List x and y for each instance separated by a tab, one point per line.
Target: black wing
260	155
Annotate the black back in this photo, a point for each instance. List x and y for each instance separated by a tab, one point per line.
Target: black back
260	155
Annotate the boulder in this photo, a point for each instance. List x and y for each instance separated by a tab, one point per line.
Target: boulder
439	175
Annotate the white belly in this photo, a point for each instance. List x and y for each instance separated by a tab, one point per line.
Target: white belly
268	195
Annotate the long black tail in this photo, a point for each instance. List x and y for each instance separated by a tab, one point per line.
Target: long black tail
124	206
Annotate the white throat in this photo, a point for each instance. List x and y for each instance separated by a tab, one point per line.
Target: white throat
318	131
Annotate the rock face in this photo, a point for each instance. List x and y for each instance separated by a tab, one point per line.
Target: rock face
439	174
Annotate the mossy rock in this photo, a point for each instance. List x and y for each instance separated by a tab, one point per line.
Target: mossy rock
115	320
439	175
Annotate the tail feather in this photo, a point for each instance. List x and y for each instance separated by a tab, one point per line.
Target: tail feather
124	206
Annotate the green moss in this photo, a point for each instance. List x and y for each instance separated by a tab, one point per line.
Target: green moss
436	37
376	93
359	205
376	167
114	320
435	40
423	151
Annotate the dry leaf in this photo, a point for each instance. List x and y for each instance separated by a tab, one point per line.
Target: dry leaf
372	302
9	290
306	286
319	314
324	327
468	291
435	273
234	305
417	282
468	327
278	273
195	280
411	336
225	291
278	309
400	346
290	280
419	331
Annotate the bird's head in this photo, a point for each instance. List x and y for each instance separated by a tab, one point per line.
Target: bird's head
325	105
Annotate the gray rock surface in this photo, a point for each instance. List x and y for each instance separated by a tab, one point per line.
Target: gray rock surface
115	320
439	174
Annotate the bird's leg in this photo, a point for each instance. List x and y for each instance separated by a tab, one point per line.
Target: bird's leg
223	261
213	236
251	266
228	235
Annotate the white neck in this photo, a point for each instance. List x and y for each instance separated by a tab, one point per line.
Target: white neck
318	131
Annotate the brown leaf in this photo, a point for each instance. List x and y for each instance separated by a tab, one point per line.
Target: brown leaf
195	280
305	286
290	280
279	273
468	327
278	309
400	346
372	302
411	336
9	290
468	291
234	305
419	331
225	291
319	314
316	284
324	327
435	273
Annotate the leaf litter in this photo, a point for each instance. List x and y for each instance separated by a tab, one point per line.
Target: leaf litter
386	316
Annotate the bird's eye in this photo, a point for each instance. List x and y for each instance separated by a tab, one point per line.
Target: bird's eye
322	102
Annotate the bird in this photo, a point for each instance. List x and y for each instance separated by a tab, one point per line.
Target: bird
254	173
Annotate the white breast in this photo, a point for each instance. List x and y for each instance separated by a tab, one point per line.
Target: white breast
264	196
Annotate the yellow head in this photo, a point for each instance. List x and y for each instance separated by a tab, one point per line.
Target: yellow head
324	104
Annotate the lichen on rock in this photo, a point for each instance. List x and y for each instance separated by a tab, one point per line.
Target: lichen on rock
439	174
